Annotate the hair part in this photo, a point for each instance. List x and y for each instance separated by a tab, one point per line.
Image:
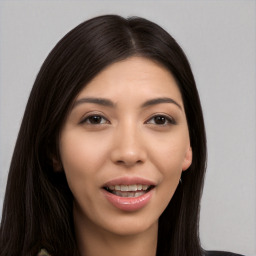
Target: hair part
37	209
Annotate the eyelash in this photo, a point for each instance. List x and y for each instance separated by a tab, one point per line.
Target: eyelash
168	120
86	120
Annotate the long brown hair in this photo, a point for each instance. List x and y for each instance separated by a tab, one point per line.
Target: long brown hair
37	209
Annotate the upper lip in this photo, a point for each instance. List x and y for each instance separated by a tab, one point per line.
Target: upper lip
129	181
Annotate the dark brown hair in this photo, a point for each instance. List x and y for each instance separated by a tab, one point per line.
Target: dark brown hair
37	209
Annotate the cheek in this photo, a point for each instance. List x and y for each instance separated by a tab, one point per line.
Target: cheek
169	154
81	159
168	161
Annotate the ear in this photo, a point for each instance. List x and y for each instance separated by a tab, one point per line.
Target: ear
188	159
57	166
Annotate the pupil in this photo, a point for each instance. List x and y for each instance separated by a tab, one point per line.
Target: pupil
95	119
160	120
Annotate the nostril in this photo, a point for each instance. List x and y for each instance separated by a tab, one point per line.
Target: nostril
128	163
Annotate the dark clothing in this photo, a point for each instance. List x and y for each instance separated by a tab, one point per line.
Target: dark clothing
219	253
207	253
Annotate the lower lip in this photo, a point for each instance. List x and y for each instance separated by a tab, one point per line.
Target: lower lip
128	204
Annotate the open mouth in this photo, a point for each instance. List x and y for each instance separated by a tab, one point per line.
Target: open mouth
135	190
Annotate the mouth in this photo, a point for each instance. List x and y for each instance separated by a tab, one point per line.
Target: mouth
134	190
129	193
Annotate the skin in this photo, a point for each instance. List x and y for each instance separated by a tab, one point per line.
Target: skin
99	143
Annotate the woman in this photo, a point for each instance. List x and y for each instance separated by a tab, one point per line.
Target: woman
111	153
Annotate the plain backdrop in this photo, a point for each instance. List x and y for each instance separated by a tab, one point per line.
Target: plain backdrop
219	38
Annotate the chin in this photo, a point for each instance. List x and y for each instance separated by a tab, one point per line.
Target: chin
130	226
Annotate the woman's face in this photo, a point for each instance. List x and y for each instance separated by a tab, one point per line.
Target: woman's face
123	147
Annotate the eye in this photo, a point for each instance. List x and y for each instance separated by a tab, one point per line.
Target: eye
161	120
94	120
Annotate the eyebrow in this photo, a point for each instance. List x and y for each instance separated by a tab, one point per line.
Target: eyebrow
109	103
159	101
99	101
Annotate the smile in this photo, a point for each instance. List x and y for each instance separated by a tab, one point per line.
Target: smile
129	193
135	190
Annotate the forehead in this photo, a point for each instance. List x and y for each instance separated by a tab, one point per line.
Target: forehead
131	77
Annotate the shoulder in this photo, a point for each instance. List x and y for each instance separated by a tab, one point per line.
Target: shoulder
221	253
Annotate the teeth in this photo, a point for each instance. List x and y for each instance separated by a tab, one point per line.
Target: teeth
145	187
139	187
132	188
128	194
138	194
126	188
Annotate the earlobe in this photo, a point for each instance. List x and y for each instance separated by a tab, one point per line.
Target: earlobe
188	159
57	166
54	160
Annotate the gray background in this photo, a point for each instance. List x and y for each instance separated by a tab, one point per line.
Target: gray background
219	38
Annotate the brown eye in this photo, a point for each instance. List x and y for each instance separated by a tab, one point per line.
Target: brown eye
161	120
95	120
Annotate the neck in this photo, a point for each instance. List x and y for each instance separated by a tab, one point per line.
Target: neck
93	241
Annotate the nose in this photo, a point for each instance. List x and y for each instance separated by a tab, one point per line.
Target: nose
128	147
